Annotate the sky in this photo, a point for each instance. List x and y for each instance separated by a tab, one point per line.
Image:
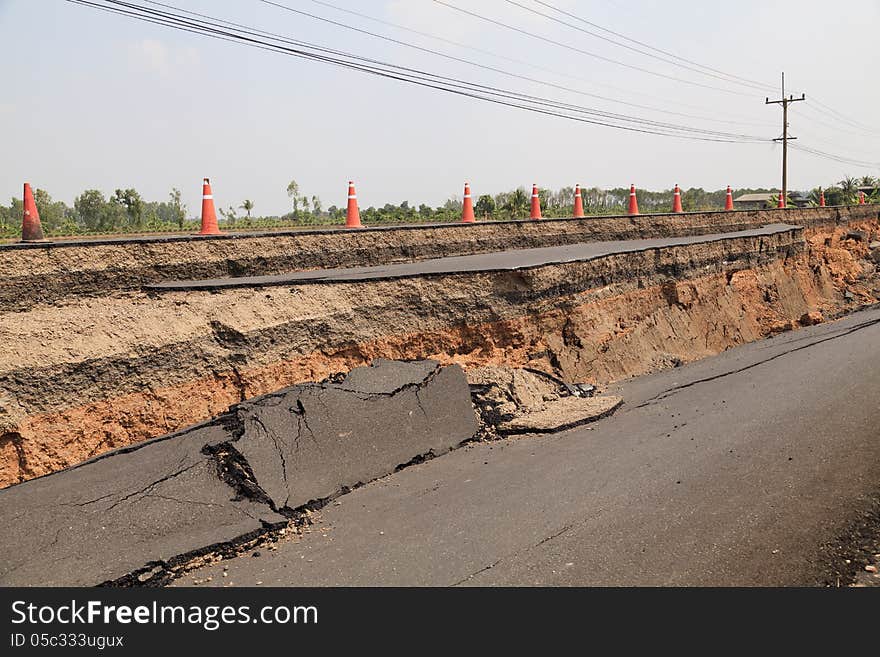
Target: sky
94	100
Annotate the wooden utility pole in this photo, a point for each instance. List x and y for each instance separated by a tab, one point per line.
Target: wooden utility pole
784	139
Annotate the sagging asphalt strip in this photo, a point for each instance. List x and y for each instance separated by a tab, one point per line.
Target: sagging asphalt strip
132	512
516	259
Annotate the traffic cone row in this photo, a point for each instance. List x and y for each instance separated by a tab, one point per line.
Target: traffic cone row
31	229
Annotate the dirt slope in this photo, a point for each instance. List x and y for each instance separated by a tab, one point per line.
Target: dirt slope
89	374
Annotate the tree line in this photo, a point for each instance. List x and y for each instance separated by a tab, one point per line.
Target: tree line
92	212
126	211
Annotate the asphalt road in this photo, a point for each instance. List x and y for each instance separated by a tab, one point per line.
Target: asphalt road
226	233
495	261
114	517
732	471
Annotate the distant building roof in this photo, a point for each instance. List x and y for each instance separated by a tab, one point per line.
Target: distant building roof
756	198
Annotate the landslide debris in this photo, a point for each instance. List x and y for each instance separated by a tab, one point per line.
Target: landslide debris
522	400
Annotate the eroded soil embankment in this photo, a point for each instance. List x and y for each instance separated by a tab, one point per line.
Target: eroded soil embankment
43	273
81	378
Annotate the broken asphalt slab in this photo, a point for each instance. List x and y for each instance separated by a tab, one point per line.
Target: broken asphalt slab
113	515
135	511
562	414
307	443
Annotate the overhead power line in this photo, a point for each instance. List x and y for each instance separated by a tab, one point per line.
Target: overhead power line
221	29
836	158
462	60
586	52
828	111
467	46
718	76
842	125
217	28
742	80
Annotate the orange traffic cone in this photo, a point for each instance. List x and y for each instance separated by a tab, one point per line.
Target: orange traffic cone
536	204
352	216
467	207
209	216
676	200
633	201
728	202
31	230
578	203
821	199
781	203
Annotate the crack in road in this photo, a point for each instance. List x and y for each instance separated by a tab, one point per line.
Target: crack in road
278	448
513	554
412	384
675	389
152	485
481	570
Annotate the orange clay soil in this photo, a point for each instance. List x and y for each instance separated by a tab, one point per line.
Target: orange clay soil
597	334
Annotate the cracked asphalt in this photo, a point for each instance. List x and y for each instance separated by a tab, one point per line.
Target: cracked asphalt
735	470
494	261
125	516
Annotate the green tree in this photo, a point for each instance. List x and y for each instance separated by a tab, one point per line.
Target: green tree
293	193
53	214
229	215
91	206
316	204
131	201
544	196
849	188
485	206
10	217
247	206
517	203
693	199
833	195
179	209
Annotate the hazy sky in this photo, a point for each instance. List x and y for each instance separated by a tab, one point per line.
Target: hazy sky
92	100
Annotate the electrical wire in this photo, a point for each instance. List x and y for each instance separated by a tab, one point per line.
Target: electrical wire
829	111
585	52
416	76
742	80
445	55
521	62
836	158
667	60
223	30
